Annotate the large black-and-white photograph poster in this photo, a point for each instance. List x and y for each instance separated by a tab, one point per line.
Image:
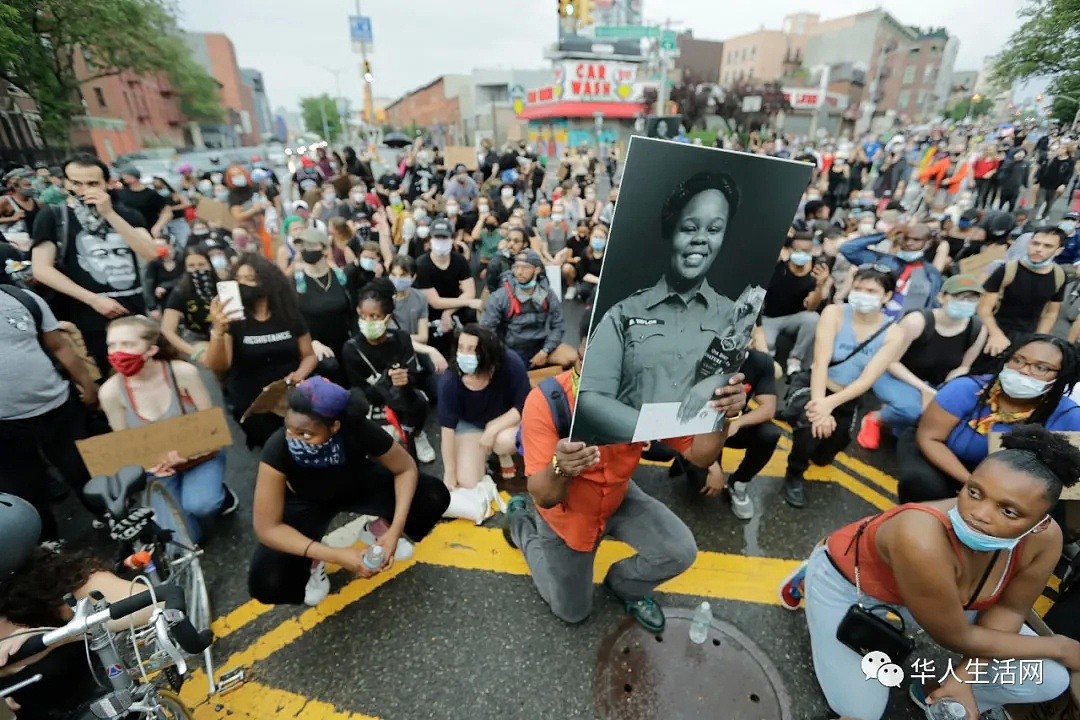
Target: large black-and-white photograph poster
693	243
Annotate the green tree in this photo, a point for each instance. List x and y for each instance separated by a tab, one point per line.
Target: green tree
41	39
1047	43
963	108
315	109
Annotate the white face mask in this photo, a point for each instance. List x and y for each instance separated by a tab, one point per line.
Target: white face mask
556	217
328	196
451	210
507	193
441	246
864	302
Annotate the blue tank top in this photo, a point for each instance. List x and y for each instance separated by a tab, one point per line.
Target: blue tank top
848	371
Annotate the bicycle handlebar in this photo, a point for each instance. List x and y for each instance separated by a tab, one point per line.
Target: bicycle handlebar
190	639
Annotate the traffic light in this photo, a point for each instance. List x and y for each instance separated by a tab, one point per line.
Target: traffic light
368	77
584	12
567	8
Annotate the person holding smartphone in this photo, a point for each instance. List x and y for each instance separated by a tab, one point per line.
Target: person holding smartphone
86	251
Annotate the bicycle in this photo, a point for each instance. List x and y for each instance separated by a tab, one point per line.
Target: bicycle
128	689
164	554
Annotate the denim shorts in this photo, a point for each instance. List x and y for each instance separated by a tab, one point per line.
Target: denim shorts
467	428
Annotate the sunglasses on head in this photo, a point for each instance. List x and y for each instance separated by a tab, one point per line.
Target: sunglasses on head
877	267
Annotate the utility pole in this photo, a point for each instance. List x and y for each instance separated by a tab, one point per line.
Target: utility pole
661	61
338	101
369	95
823	91
325	127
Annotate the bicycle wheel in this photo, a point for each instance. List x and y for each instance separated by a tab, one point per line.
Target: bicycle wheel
181	554
170	707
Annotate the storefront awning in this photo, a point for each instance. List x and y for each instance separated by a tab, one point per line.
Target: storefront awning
616	110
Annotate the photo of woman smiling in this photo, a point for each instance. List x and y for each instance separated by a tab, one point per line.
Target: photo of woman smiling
663	351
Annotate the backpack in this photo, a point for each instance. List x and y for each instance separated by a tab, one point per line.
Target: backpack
558	404
1070	306
1009	275
515	305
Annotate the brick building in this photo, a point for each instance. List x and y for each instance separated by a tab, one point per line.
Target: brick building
437	104
125	112
215	52
766	55
699	59
20	127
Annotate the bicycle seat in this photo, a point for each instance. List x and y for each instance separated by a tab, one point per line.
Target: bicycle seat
112	492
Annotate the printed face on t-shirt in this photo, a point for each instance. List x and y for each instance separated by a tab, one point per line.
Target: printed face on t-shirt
107	259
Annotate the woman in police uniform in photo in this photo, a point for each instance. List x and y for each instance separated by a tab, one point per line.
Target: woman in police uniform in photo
661	344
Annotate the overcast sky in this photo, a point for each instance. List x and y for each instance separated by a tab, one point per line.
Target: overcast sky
293	42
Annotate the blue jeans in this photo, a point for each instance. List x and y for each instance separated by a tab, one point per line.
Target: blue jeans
901	404
838	668
180	231
200	492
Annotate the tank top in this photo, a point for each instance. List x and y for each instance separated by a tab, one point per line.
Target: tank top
178	405
846	372
875	575
932	356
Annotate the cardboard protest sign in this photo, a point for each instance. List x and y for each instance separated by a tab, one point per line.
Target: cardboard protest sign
272	399
214	212
189	435
977	264
694	241
454	154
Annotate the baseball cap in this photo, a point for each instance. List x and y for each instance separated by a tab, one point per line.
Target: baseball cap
359	215
529	256
441	228
315	236
130	170
958	284
1071	215
460	168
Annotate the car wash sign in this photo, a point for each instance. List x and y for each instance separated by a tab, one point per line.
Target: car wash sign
586	81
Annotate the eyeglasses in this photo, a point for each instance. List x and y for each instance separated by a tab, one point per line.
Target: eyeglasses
1038	369
877	267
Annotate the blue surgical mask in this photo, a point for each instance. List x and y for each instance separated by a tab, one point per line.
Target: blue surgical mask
864	302
1019	386
1038	265
239	181
961	309
965	223
981	542
1067	226
467	363
401	284
598	244
368	263
800	258
526	285
909	255
323	455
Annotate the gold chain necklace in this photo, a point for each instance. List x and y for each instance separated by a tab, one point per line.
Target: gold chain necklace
326	287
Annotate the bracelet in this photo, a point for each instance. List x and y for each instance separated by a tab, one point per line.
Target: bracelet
558	470
308	548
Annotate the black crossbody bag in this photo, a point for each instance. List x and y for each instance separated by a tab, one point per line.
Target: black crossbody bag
862	630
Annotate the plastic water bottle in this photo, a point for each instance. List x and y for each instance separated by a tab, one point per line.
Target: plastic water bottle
946	708
699	626
374	557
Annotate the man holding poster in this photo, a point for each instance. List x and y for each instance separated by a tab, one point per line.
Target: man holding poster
658	355
672	348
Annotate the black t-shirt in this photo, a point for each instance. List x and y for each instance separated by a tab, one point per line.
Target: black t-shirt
262	352
194	311
421	180
447	283
329	486
396	349
577	246
786	292
100	262
1023	299
146	202
760	374
157	275
590	265
328	311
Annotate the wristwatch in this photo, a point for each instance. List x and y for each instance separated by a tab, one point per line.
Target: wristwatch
558	470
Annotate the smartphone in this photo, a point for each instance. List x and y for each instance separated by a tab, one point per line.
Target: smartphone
229	292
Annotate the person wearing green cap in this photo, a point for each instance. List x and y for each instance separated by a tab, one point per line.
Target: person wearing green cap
938	345
292	228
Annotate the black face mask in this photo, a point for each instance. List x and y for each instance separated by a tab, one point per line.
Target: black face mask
249	294
203	283
311	256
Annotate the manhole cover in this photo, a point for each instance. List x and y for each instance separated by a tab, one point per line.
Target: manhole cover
640	675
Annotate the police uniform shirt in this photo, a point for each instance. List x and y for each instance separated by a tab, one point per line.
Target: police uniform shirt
646	349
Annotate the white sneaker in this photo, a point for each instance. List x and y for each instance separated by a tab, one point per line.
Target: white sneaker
492	493
424	452
793	366
404	547
742	505
318	585
571	292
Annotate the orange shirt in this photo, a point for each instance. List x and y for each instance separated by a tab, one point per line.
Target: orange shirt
592	497
875	575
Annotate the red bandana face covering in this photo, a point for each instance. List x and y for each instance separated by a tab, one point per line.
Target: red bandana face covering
127	364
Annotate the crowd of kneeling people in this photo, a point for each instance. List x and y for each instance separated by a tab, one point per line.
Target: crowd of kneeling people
383	310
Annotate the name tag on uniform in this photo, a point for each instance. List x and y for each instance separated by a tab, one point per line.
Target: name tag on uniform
631	322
